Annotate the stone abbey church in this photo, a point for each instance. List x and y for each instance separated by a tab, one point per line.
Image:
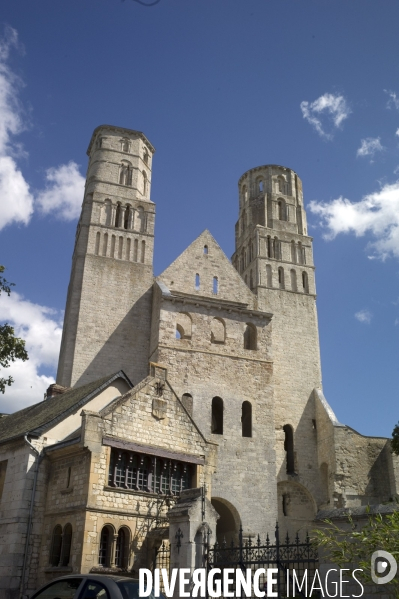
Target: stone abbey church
205	377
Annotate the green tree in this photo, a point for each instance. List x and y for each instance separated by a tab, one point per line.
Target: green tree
348	547
11	347
395	440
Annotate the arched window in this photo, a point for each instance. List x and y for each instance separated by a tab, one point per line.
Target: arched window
125	145
107	213
293	252
281	282
250	341
197	282
218	331
145	157
127	218
122	548
144	183
125	173
301	254
260	185
66	545
135	250
140	220
281	184
206	249
187	401
105	244
305	282
105	549
215	288
120	248
142	252
56	542
289	448
293	280
282	210
183	325
97	247
118	215
217	416
246	419
269	280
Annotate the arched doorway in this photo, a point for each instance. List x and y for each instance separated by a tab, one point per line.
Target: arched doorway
228	525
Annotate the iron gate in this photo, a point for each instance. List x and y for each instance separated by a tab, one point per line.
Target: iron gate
288	557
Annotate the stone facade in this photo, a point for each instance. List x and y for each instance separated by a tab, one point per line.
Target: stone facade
227	397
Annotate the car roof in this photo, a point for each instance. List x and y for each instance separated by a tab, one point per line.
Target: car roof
100	577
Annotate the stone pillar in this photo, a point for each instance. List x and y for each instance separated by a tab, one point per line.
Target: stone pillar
192	521
122	217
113	215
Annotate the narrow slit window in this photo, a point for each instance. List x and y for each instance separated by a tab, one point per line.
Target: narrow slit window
215	285
206	250
289	448
217	416
197	282
246	419
142	252
305	282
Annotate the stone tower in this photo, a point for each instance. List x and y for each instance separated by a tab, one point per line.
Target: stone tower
274	257
108	310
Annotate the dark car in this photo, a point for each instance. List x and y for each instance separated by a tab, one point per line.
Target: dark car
91	586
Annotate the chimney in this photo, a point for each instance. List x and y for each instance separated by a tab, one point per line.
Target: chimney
55	390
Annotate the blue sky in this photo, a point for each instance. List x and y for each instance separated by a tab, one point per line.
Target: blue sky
218	87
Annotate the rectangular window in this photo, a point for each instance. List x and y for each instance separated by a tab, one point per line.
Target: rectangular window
3	470
141	472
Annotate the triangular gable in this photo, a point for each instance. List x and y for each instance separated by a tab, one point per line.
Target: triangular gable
163	419
205	258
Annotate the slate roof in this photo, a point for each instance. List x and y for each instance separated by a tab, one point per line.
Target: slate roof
38	418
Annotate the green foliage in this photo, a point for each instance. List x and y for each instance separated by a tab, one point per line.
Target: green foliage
395	440
11	347
353	545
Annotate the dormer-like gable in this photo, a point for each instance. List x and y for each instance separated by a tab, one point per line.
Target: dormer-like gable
204	270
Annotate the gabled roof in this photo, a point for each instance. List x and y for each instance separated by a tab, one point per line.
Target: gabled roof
36	419
205	257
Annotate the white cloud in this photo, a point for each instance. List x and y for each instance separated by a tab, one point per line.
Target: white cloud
63	193
364	316
369	146
397	132
41	327
17	200
393	99
334	107
376	213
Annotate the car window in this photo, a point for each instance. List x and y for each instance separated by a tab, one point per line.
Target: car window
61	589
130	590
94	590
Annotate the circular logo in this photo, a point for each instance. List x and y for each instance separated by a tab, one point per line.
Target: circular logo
383	567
